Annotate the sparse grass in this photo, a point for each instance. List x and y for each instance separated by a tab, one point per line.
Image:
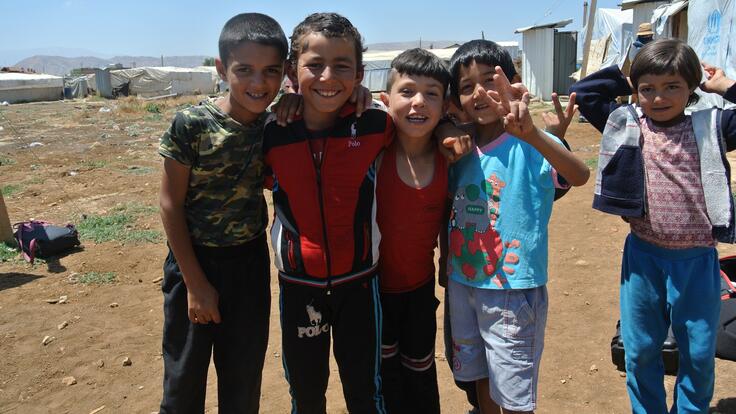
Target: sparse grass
154	108
98	278
35	180
8	252
153	117
10	189
93	164
6	161
119	225
592	163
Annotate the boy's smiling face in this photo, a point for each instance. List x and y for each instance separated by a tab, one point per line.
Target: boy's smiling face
472	77
416	104
254	72
327	72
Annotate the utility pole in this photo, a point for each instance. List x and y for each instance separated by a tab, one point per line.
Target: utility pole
585	13
420	42
162	60
588	38
6	231
482	35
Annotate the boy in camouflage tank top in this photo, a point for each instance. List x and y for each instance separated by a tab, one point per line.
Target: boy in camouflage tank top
216	276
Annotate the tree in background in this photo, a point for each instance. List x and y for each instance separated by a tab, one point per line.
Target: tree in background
210	61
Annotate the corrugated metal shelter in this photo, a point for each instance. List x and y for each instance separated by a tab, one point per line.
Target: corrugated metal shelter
549	58
377	64
30	87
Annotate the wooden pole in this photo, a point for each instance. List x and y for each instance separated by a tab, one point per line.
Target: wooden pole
6	231
588	38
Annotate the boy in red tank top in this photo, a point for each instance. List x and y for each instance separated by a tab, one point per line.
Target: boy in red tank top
411	195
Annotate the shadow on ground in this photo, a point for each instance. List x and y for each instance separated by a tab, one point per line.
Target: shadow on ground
12	279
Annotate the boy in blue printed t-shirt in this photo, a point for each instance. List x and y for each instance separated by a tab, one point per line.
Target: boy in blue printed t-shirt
496	248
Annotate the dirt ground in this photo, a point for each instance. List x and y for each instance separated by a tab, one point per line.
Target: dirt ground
63	161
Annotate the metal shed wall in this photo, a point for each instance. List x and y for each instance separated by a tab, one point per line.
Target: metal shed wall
537	65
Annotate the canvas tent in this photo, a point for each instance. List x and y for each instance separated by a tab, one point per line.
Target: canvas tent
670	20
610	41
712	34
549	57
76	88
642	10
158	81
378	63
30	87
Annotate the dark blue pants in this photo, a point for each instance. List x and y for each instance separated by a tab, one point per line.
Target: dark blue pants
349	314
660	287
238	344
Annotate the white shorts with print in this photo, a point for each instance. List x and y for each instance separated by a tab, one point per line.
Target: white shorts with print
499	334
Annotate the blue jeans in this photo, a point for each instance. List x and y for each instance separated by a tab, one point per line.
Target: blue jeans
660	286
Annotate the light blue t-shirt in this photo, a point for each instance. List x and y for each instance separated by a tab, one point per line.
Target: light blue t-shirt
502	202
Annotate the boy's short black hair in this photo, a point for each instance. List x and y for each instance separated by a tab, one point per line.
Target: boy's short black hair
479	51
251	27
419	62
668	57
329	25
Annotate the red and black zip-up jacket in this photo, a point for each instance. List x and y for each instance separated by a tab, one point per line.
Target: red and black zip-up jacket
324	231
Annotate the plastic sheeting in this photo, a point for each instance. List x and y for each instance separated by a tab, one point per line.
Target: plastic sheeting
617	24
712	35
27	87
76	88
662	18
157	81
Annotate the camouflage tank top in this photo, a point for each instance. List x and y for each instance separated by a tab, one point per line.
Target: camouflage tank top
224	203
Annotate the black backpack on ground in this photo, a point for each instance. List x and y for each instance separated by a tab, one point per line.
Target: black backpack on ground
726	337
37	238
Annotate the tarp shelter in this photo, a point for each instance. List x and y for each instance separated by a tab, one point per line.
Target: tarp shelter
377	64
643	10
549	57
712	34
30	87
610	41
75	88
670	20
158	81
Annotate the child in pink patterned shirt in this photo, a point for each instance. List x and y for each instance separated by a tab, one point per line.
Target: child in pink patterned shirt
665	172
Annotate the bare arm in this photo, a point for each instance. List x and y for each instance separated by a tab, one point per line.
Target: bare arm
202	298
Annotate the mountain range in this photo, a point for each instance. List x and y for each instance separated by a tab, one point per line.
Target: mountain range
63	62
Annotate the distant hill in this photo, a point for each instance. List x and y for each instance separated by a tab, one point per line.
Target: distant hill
59	65
436	44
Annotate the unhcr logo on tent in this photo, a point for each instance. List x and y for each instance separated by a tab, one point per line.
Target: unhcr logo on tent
713	36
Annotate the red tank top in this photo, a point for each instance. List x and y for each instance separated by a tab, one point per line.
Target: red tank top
410	220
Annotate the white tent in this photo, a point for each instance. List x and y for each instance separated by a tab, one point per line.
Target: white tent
30	87
377	64
157	81
712	34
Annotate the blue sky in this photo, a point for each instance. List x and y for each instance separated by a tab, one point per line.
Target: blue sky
187	27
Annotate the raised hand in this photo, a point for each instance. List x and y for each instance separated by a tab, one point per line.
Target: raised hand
518	121
557	123
716	80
